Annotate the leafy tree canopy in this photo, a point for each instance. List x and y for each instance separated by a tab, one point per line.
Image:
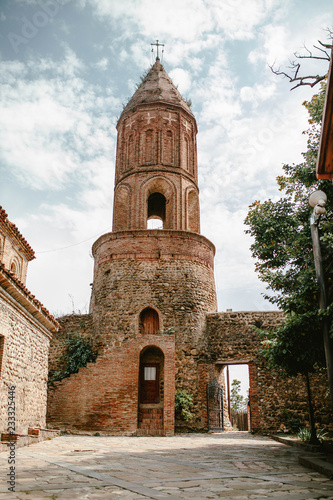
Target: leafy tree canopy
283	251
237	402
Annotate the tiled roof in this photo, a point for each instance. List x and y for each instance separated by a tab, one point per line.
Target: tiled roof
156	87
16	289
17	235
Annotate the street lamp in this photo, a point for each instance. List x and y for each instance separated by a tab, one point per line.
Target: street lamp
317	201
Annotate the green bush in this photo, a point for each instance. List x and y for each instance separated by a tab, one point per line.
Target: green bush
304	434
78	353
183	402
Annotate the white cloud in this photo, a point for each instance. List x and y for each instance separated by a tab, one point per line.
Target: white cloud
273	45
51	125
102	64
257	93
181	78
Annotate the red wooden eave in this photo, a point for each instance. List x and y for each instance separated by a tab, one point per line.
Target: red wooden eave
325	153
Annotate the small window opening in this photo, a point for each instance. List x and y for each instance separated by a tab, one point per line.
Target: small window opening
149	373
149	321
156	211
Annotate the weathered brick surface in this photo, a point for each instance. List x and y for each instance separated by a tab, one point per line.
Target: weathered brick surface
103	396
73	323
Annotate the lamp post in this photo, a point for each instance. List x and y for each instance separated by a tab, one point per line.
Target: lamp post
318	200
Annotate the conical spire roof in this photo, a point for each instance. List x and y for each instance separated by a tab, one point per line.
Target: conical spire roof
156	87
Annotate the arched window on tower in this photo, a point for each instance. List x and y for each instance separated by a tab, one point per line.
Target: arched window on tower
156	211
149	321
186	153
168	153
130	152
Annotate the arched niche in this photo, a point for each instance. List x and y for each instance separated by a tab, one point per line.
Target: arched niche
193	211
130	152
168	152
15	267
121	210
149	146
187	156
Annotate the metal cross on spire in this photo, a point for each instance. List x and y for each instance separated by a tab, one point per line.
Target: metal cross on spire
157	45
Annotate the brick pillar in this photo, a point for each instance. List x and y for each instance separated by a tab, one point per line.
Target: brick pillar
254	410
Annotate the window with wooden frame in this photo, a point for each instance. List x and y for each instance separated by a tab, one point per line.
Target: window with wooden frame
149	321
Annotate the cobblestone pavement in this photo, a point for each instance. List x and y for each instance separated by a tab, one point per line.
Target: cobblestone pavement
233	465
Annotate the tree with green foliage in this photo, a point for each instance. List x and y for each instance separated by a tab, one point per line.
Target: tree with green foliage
237	403
284	259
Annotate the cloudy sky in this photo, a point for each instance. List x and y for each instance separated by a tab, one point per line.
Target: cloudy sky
67	68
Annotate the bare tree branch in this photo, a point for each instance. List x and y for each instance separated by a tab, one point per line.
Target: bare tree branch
310	80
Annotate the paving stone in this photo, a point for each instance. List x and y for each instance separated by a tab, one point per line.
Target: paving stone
229	465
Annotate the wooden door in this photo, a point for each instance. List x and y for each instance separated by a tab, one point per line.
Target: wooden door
150	321
150	383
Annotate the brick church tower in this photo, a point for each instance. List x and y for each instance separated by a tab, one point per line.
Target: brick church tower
155	285
152	286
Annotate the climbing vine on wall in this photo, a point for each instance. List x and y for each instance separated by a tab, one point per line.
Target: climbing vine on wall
78	352
183	403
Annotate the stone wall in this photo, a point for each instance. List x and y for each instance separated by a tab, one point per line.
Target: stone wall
24	365
275	401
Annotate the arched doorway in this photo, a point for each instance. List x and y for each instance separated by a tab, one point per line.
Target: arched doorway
151	391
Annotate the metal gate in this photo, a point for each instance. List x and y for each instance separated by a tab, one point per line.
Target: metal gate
215	406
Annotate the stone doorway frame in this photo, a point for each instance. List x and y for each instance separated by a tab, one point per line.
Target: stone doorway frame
253	416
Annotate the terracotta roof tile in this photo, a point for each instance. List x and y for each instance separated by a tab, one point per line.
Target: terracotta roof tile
16	233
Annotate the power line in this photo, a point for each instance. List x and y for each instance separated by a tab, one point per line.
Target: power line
75	244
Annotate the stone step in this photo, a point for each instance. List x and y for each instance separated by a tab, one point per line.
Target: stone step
150	432
150	419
